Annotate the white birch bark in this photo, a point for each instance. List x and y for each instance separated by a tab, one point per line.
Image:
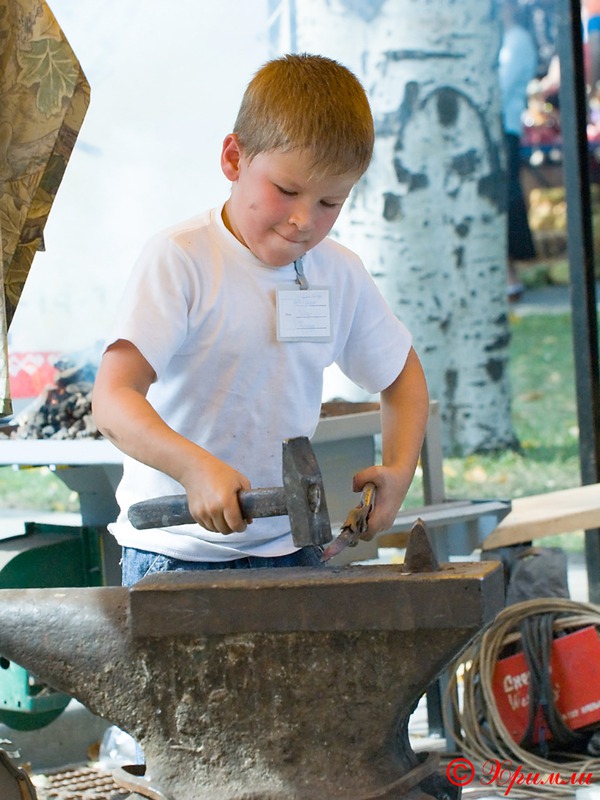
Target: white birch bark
428	218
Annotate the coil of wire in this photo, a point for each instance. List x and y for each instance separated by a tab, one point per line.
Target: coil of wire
478	728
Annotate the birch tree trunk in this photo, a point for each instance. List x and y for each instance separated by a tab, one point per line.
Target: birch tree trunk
429	216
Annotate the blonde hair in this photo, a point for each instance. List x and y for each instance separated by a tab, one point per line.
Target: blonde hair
308	102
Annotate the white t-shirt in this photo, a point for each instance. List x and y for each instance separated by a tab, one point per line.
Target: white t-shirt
201	310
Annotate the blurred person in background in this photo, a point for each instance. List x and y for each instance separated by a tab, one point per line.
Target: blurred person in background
517	65
591	20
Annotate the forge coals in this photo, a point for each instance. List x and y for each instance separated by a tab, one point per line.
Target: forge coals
62	411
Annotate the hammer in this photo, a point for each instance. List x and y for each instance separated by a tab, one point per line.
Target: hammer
302	498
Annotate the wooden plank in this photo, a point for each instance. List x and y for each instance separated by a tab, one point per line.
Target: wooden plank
546	515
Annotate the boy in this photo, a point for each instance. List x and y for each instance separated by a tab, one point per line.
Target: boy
201	380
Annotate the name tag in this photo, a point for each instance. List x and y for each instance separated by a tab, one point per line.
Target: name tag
303	315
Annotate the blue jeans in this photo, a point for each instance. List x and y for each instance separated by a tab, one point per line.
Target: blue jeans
136	564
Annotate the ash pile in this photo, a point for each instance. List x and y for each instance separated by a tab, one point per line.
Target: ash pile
64	409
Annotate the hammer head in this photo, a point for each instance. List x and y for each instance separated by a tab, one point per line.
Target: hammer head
305	494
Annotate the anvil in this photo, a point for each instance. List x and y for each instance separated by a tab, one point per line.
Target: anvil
284	684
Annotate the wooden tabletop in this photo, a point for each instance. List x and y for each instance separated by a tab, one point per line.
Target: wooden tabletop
548	514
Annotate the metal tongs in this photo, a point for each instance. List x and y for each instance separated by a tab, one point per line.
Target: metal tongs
355	525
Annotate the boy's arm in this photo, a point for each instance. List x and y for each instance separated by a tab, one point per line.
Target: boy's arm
404	412
124	416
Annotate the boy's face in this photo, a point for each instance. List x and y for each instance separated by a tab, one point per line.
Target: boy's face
276	209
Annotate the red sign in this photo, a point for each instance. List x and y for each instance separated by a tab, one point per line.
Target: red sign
575	678
30	373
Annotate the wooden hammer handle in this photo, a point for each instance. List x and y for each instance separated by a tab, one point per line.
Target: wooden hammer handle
162	512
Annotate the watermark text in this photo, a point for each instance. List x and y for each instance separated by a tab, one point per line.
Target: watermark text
504	774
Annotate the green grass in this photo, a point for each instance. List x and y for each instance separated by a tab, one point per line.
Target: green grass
544	415
37	489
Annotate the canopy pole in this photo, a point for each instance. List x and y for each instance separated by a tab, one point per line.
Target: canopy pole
573	115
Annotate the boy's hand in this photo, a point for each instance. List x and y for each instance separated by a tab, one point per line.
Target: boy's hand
404	411
392	486
125	417
212	492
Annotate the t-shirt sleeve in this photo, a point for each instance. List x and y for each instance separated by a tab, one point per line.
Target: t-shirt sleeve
153	313
377	344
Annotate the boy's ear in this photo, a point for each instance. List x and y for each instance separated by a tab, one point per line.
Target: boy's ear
231	155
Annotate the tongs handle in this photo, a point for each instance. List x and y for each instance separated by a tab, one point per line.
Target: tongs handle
367	500
355	525
358	519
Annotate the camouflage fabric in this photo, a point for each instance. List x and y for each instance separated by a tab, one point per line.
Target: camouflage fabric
44	96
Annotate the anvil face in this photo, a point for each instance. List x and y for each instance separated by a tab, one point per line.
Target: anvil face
262	684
